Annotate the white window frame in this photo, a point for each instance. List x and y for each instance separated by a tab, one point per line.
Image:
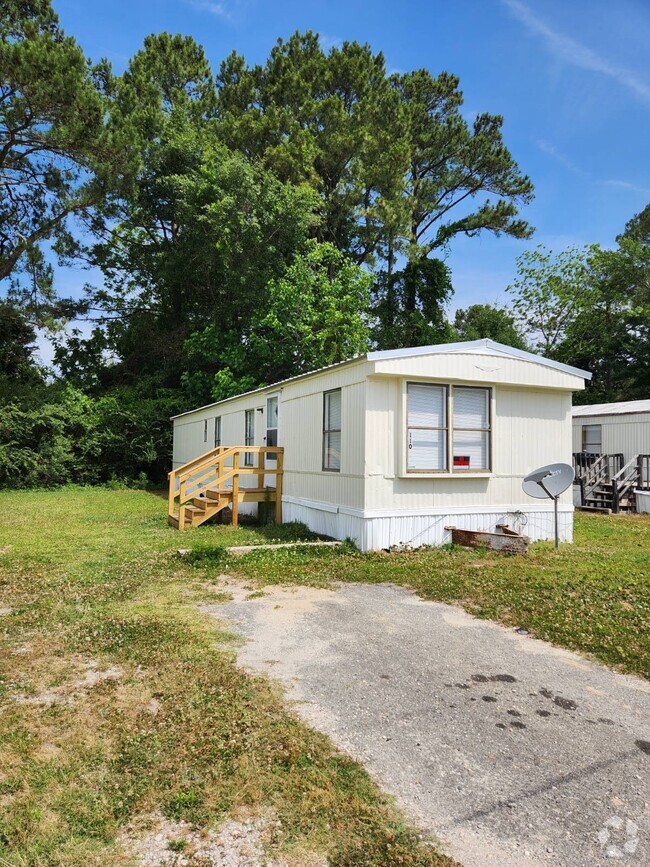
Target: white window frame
217	431
449	471
249	439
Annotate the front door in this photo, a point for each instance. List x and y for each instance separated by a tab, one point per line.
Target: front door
271	438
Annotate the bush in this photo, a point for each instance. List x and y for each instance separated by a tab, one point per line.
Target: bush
70	437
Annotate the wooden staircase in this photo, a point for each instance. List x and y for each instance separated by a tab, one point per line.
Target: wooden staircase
207	485
607	485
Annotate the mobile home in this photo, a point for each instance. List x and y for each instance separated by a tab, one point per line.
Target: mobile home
611	452
392	447
612	428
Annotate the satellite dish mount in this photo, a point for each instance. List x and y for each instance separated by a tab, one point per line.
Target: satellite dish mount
548	483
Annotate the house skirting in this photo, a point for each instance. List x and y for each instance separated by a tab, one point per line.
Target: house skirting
376	529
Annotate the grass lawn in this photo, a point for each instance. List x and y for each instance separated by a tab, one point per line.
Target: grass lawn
118	698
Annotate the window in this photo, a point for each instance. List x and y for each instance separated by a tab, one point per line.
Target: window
332	430
249	436
471	440
217	431
427	428
271	424
592	439
433	444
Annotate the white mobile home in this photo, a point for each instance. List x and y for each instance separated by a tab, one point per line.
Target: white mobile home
612	428
392	447
611	451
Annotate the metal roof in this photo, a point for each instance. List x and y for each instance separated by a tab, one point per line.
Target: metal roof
623	407
478	347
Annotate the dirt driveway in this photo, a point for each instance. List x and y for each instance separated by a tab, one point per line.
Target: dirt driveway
510	751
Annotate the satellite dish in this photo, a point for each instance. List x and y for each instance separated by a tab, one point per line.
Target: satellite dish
548	483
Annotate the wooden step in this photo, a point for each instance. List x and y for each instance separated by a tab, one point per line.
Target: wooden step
219	494
205	503
172	520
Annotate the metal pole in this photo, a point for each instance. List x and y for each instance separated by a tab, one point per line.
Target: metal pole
557	535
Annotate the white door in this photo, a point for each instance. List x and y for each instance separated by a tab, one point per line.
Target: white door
272	417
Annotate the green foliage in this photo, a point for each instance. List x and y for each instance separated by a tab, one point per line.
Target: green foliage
73	437
484	320
409	305
591	308
550	291
58	153
314	315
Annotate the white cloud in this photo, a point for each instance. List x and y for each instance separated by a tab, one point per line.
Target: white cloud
223	10
571	51
328	42
561	158
626	185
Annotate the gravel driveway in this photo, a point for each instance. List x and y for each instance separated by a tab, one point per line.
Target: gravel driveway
510	751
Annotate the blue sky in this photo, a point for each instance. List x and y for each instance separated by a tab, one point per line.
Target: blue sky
572	80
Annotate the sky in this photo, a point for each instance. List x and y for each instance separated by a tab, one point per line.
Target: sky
571	79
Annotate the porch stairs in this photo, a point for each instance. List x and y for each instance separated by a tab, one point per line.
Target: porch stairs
608	485
205	486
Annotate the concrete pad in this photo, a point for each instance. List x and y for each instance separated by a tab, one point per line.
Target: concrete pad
509	750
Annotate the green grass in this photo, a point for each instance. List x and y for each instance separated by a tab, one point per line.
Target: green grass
93	577
91	574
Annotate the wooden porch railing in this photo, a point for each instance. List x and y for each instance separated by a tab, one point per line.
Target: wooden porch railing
635	474
207	484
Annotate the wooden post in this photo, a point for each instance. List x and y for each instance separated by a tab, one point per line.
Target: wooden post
278	486
260	469
181	506
235	490
172	492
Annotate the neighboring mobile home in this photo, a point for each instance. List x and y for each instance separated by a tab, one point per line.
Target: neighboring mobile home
612	428
620	434
390	448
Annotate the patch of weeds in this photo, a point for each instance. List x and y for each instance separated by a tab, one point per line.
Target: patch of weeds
179	845
139	638
183	805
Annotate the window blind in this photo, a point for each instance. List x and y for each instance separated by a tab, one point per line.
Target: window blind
427	423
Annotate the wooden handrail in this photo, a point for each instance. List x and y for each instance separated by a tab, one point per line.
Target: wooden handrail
210	472
198	460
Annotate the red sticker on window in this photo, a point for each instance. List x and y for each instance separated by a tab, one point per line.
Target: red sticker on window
461	461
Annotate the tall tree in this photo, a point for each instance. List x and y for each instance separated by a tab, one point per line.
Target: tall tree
451	164
396	166
409	305
194	241
485	320
56	153
549	292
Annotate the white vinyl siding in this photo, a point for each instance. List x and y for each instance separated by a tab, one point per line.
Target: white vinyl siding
249	435
427	428
471	424
332	430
